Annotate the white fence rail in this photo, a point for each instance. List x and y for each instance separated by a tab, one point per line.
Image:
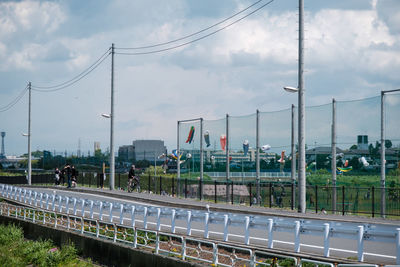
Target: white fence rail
126	214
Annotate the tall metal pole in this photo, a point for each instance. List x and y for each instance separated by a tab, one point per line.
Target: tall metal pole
258	156
227	157
333	151
112	117
383	169
178	160
201	158
29	137
293	168
302	154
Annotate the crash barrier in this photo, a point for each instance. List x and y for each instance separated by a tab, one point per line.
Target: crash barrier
129	214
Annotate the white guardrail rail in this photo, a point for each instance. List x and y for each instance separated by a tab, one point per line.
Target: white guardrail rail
98	218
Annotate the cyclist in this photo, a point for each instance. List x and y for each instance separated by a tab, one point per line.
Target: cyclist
131	177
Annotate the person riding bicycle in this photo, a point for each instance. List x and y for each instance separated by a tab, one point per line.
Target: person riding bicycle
133	180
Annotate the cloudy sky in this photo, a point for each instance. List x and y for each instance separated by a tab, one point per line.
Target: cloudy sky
352	52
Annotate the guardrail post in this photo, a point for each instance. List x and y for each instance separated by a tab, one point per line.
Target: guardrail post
97	228
101	211
83	207
145	217
67	205
110	214
157	242
47	201
121	214
59	203
270	233
24	195
53	200
82	225
398	246
360	243
189	223
29	197
246	230
297	236
226	221
91	209
44	217
33	218
158	218
34	199
133	216
215	255
115	233
40	200
134	237
326	239
75	205
20	194
68	223
184	249
206	223
173	216
55	219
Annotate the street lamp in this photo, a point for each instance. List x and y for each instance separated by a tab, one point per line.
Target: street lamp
112	156
291	89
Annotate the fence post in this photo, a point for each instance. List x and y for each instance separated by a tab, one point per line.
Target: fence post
119	180
270	195
215	191
373	201
90	181
250	193
360	242
292	196
185	187
316	198
173	186
159	219
173	216
160	184
200	189
189	223
343	200
232	194
145	217
206	222
148	184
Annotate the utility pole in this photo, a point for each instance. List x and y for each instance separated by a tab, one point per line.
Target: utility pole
29	136
227	157
112	117
258	156
201	158
302	154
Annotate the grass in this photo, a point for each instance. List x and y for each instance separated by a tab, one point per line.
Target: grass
16	251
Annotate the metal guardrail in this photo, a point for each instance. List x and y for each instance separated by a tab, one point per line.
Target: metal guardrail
127	213
249	174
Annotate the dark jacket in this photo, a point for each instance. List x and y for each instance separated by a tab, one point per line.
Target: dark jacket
131	173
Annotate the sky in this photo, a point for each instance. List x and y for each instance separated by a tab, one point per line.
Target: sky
352	51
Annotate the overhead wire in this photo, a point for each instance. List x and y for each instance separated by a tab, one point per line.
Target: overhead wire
197	39
14	101
74	79
192	34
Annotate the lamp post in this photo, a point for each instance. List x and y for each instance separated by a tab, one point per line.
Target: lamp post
29	137
383	168
301	100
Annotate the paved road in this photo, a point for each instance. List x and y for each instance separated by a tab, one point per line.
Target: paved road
376	252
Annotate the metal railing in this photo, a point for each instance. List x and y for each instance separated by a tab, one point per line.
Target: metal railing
127	214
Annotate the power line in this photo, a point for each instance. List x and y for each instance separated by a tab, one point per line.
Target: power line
76	78
197	39
14	101
192	34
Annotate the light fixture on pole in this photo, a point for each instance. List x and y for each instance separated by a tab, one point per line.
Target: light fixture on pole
106	115
291	89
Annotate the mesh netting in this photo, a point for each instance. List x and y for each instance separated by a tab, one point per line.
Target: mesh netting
190	150
392	120
318	125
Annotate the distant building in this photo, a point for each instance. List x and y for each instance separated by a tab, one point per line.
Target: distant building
362	142
96	146
142	150
126	153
